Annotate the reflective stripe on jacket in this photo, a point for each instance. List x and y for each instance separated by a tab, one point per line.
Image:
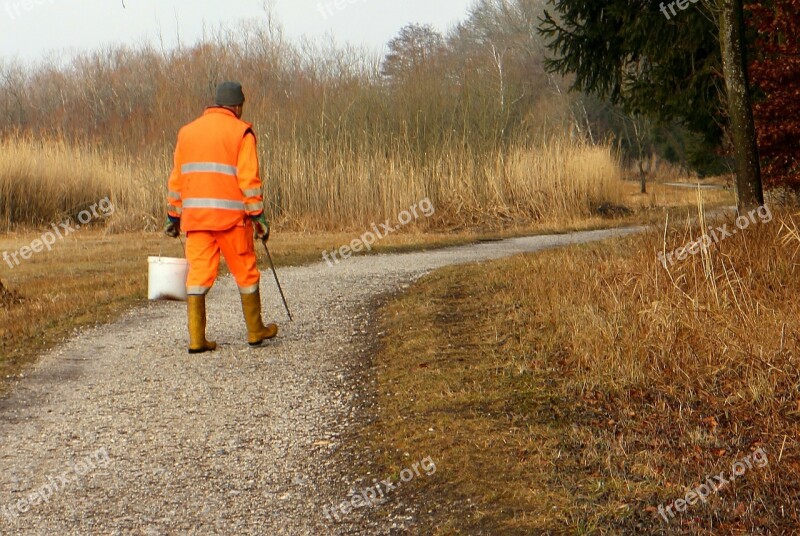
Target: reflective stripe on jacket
215	182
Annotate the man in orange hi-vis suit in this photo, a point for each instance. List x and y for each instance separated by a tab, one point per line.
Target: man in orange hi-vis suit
215	197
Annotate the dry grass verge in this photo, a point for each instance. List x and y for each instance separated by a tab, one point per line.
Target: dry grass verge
575	391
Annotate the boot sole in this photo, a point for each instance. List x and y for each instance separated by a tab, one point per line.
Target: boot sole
203	351
261	342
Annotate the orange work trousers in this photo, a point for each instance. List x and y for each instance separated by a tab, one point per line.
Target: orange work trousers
236	245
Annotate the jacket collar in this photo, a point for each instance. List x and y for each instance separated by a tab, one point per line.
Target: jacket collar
219	110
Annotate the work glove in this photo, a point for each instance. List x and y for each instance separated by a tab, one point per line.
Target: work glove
173	227
261	226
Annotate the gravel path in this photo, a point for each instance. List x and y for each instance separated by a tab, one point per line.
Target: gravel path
695	185
131	435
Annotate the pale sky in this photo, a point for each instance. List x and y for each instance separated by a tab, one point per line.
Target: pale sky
33	29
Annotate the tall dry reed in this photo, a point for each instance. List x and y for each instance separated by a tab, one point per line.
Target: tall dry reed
320	187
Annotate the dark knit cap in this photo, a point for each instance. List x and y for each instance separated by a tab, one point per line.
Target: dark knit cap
230	94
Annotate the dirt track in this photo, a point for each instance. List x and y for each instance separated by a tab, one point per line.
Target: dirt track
239	442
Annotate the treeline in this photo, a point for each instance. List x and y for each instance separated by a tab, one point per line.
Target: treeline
481	85
345	136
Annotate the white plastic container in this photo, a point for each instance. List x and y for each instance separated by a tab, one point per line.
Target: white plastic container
167	278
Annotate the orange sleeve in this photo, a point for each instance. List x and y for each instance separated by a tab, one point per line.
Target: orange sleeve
174	199
249	178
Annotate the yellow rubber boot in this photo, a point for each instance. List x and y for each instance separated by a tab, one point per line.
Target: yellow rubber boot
198	344
257	332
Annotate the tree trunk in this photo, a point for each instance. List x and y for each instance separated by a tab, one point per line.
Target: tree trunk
740	109
642	176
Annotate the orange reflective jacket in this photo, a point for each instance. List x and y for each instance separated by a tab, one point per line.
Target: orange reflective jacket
215	182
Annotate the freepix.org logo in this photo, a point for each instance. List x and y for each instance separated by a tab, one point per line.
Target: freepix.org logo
100	210
328	8
19	8
669	7
368	239
55	484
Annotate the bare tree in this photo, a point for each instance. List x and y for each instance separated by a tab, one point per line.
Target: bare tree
643	134
414	47
640	144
